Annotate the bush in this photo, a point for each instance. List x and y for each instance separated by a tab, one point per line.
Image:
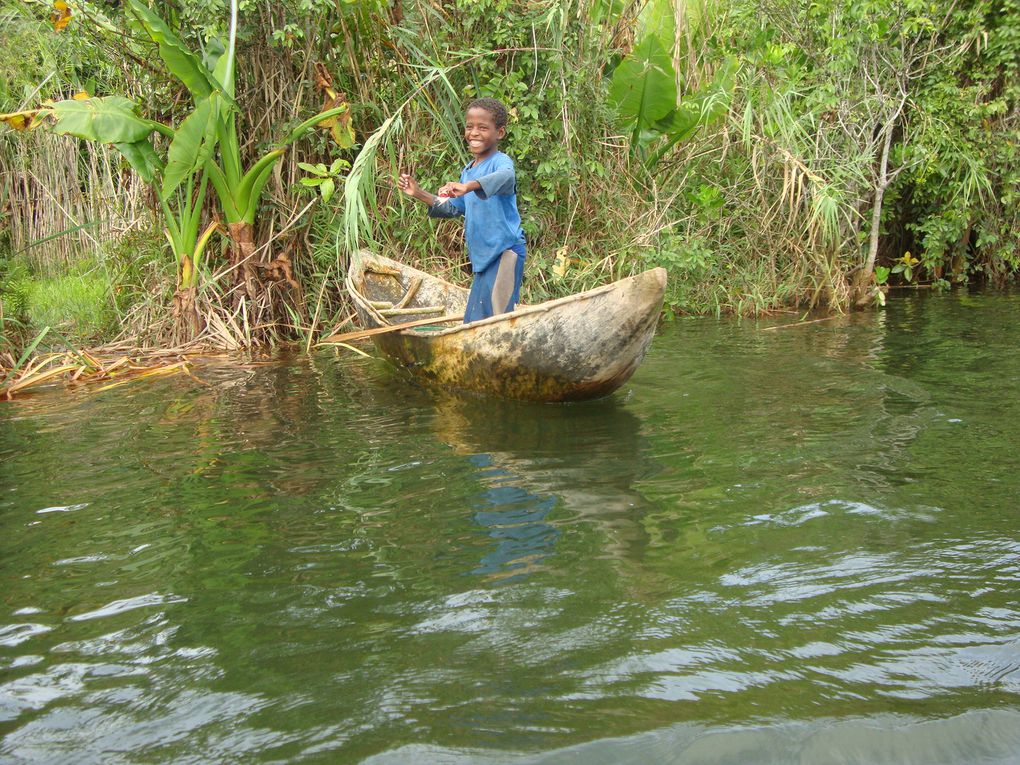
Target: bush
15	287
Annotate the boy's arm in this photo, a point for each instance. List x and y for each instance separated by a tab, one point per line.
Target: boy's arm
410	186
502	181
439	207
446	208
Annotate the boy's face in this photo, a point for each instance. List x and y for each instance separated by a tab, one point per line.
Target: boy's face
481	133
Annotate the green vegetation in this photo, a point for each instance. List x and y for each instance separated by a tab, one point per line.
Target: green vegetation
767	154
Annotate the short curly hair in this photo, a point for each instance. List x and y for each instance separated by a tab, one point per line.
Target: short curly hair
496	108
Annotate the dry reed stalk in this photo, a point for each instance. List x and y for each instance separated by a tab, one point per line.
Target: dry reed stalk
66	199
106	364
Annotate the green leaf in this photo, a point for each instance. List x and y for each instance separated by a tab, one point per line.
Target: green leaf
343	134
258	183
326	189
643	86
314	169
657	18
246	195
142	158
193	144
212	54
224	192
682	122
182	63
312	181
111	119
338	165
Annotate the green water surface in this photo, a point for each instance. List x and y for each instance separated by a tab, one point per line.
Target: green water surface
789	546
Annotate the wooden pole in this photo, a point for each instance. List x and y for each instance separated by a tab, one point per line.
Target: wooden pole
347	337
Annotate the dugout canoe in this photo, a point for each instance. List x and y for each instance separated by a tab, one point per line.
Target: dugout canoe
579	347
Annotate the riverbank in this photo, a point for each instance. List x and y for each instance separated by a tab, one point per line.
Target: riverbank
787	162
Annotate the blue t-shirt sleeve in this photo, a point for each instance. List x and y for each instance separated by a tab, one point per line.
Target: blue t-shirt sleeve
501	181
449	208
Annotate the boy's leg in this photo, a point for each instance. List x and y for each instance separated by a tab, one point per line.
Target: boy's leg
504	283
496	289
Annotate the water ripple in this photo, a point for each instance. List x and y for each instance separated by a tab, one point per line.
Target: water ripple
128	604
765	545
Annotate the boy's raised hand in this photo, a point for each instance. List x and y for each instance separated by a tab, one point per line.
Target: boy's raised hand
456	189
407	184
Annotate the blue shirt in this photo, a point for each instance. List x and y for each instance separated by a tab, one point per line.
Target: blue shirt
492	223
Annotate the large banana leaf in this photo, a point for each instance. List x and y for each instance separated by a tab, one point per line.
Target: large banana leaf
697	110
179	59
110	119
658	18
193	143
142	158
643	87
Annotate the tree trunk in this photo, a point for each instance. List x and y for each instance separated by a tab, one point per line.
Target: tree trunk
188	320
862	292
242	259
876	210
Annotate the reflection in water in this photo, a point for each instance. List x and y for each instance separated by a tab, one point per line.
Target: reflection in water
516	519
581	459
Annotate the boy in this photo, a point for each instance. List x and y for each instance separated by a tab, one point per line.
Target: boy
486	196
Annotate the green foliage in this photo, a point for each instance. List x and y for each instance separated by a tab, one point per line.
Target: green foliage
323	179
643	90
738	144
175	55
905	266
193	144
15	289
960	197
643	87
111	119
78	305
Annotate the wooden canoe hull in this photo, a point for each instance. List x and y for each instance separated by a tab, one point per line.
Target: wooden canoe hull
581	347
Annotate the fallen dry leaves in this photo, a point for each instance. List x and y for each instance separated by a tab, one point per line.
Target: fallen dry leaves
111	367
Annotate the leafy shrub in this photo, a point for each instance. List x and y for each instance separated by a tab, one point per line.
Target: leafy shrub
15	288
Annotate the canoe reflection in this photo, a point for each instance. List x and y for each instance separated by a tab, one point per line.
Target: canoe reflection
544	467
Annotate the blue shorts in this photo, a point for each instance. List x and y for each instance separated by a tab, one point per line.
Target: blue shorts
499	283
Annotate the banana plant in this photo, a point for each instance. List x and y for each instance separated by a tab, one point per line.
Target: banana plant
213	124
181	180
643	88
114	120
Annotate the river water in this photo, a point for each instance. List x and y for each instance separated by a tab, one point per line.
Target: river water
789	546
